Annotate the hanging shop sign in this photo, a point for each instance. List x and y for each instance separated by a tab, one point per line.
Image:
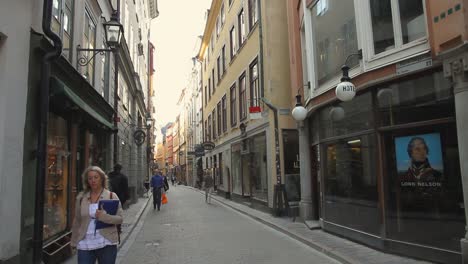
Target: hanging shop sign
139	136
199	150
208	145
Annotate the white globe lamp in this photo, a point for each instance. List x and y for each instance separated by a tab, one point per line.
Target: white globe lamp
345	91
299	112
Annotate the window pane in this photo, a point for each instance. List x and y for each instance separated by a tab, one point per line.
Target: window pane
351	184
412	20
335	37
56	7
346	117
424	187
417	99
382	25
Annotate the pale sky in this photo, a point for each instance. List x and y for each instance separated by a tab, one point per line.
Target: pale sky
174	34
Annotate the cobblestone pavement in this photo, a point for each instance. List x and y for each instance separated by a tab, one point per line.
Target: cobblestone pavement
187	230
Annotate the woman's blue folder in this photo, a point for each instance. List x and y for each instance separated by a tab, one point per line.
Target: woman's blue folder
111	207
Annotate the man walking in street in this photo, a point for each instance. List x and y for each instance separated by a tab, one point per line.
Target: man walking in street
208	187
157	183
119	184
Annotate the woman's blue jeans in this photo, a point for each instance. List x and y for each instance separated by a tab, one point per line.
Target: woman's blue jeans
105	255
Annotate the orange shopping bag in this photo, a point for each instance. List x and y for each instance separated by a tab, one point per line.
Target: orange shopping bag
164	198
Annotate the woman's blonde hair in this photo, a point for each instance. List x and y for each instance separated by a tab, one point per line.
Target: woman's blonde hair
102	174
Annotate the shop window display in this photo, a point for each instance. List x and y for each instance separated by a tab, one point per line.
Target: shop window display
56	186
424	187
236	169
258	167
351	183
414	100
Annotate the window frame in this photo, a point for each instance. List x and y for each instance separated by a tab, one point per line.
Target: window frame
252	14
254	101
87	45
223	56
242	32
224	112
233	104
242	96
219	118
232	41
218	61
401	51
213	120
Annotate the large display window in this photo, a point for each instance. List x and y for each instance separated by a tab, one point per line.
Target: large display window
390	165
351	197
236	169
56	185
258	165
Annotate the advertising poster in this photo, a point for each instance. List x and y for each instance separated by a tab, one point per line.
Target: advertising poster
419	160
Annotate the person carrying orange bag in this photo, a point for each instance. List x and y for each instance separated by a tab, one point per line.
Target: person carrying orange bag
164	198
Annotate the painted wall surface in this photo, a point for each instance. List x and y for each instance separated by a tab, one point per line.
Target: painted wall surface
14	59
447	20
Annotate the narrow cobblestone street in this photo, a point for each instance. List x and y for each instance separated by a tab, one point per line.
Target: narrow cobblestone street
187	230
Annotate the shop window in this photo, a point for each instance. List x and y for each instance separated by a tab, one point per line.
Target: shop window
424	187
56	185
236	169
347	117
417	99
258	167
351	183
334	37
221	168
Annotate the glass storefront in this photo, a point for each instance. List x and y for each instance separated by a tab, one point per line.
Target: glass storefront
258	167
236	169
56	185
399	138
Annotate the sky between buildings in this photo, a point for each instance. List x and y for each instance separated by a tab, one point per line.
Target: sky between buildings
175	37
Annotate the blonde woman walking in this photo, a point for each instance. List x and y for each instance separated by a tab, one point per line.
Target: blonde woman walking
95	244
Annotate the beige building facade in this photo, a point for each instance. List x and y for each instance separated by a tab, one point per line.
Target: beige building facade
243	65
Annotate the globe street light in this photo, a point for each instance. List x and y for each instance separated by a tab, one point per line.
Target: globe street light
299	112
345	90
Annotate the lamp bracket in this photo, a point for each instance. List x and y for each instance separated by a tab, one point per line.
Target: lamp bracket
359	54
84	60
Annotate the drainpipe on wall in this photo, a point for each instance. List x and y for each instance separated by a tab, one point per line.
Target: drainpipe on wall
42	137
116	93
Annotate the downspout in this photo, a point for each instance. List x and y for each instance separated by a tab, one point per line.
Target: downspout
260	56
116	93
42	137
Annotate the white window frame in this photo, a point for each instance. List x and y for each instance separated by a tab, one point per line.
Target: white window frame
316	90
365	42
401	51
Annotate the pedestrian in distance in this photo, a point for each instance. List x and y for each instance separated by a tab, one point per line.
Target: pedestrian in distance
157	185
92	243
119	184
173	179
208	184
166	183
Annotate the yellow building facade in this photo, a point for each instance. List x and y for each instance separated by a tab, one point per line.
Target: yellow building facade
245	62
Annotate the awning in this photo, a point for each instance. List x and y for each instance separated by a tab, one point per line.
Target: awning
59	88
